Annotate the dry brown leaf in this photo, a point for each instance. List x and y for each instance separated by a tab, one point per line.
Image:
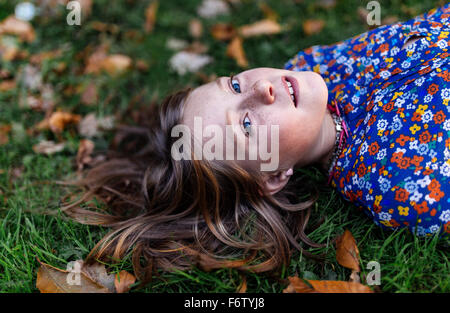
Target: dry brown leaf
39	57
14	26
53	280
347	253
222	31
97	272
311	27
7	85
123	281
58	121
142	65
197	47
298	285
196	28
94	61
263	27
4	131
326	4
85	150
104	27
48	147
150	16
236	51
89	95
116	64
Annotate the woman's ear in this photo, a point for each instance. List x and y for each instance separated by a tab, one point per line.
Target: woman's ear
274	182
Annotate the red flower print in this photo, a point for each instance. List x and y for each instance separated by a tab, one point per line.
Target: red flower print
348	108
401	195
372	120
417	117
404	163
370	106
428	171
434	185
433	212
447	227
445	75
439	117
396	71
362	170
388	106
425	70
432	89
373	148
383	47
396	157
394	223
402	139
425	137
436	194
421	208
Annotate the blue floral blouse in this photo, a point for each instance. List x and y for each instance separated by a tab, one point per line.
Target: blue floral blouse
395	164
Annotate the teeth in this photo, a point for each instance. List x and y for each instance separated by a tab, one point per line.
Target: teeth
291	90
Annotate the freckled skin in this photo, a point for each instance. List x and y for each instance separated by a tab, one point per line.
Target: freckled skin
306	132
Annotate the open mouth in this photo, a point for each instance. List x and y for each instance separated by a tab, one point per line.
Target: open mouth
291	86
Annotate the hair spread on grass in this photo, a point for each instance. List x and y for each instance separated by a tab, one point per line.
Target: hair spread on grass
176	214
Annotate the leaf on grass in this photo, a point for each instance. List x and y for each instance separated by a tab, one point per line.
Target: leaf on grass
236	51
347	253
48	147
58	121
243	285
150	16
53	280
268	12
298	285
123	281
14	26
7	85
4	131
263	27
223	31
97	272
195	28
85	150
116	64
89	95
311	26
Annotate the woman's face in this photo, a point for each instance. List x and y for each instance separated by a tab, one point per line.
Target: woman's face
261	96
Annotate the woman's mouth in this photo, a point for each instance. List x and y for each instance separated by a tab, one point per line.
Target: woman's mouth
291	86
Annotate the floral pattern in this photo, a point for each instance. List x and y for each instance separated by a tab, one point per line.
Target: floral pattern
395	164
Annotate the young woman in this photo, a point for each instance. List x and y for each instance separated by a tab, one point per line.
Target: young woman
372	112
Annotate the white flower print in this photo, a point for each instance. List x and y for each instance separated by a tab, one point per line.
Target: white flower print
424	181
428	98
445	93
385	74
419	81
430	200
384	216
381	154
442	43
434	228
445	216
427	115
445	169
416	196
446	124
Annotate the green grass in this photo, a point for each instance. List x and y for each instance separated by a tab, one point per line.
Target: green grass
31	223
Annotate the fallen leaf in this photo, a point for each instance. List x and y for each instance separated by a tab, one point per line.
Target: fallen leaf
116	64
197	47
243	285
347	253
104	27
89	95
14	26
236	51
58	121
4	134
48	147
195	28
94	61
223	31
326	4
53	280
142	65
150	16
7	85
85	150
176	44
123	281
298	285
97	272
263	27
311	27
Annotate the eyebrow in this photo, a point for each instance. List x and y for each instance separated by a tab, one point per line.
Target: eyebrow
220	84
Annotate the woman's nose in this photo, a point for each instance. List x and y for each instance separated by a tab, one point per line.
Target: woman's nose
264	90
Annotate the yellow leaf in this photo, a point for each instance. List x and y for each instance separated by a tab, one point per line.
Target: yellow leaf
298	285
347	253
311	27
236	51
116	63
150	16
223	31
53	280
263	27
123	281
58	120
14	26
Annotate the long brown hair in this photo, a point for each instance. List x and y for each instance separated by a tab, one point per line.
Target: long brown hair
177	214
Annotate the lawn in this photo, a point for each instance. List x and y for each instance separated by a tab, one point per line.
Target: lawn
32	224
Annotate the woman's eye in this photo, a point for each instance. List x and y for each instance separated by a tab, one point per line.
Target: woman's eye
247	125
235	85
